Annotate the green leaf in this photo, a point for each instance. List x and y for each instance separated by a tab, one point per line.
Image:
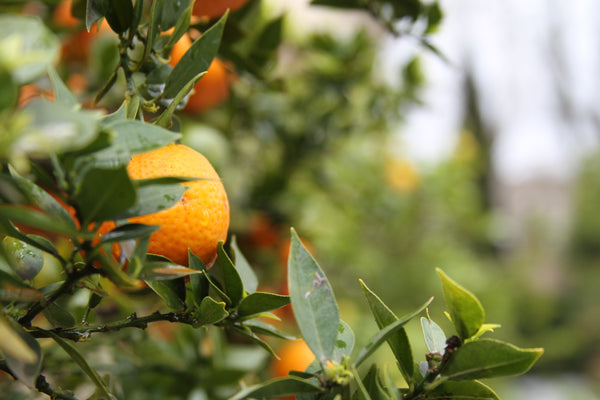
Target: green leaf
231	279
465	310
171	12
198	283
82	363
22	352
384	334
128	232
9	90
434	336
104	194
249	279
8	229
210	311
373	386
313	302
160	270
258	302
170	291
25	260
278	387
488	358
398	342
27	46
119	14
468	390
260	327
12	289
344	343
35	219
196	60
58	316
155	198
62	93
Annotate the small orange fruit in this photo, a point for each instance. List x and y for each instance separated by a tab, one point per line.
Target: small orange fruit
62	16
215	8
295	355
212	89
200	219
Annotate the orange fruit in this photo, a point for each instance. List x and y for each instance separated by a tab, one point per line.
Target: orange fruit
62	16
216	8
200	219
212	89
30	92
294	355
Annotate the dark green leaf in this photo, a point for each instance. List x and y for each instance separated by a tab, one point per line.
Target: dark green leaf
104	194
170	291
22	352
210	311
465	310
231	279
196	60
198	282
386	332
247	275
372	384
9	91
171	12
262	328
128	232
119	14
58	316
278	387
83	364
313	301
35	219
434	336
155	198
488	358
398	342
94	12
259	302
467	390
25	260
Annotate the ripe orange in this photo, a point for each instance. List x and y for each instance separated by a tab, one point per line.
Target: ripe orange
200	219
294	355
62	16
212	89
215	8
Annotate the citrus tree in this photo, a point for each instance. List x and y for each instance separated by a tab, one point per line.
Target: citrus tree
118	276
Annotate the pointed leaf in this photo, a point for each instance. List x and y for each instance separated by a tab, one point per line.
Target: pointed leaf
21	351
196	60
233	283
35	219
468	390
398	342
434	336
198	283
313	302
128	232
210	311
159	270
58	316
258	302
82	363
62	93
155	198
386	332
170	291
465	310
278	387
8	229
488	358
247	275
260	327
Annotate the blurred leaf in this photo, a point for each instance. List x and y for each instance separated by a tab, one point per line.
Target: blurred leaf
21	351
434	17
384	334
278	387
127	232
398	342
465	310
27	46
25	260
210	311
57	129
170	291
35	219
82	363
434	336
158	270
94	12
196	60
12	289
260	327
120	115
62	93
258	302
41	198
464	390
249	279
313	301
344	343
231	279
104	194
488	358
58	316
9	90
8	229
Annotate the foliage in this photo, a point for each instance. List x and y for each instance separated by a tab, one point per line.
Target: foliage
137	325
